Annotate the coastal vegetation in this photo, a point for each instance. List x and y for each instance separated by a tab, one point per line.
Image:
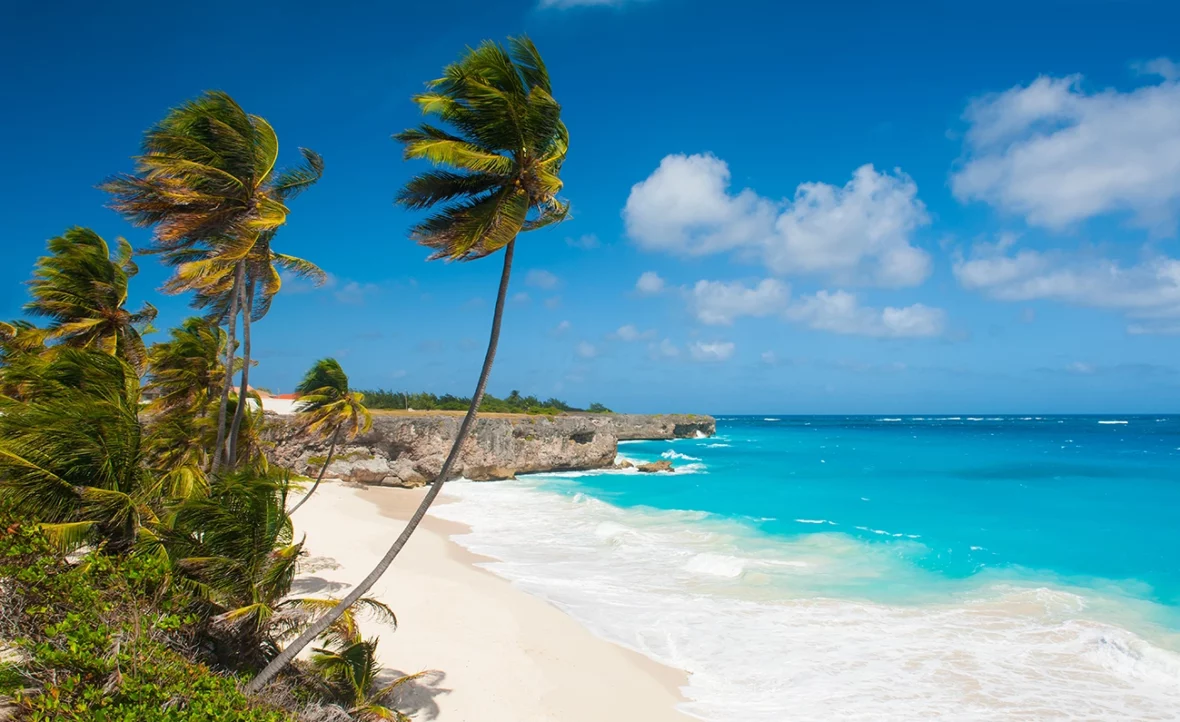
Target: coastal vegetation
147	553
513	403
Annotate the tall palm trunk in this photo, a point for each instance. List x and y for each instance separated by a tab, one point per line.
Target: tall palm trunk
239	273
231	453
320	476
316	629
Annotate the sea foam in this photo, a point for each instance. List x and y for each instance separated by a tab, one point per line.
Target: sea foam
709	597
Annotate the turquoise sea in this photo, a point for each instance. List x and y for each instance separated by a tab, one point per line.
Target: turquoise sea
873	567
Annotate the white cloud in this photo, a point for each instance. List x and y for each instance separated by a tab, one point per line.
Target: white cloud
1077	367
586	349
520	297
355	293
718	303
860	232
1161	67
561	328
542	279
553	302
630	333
1056	154
664	349
649	283
840	312
586	242
770	358
1148	291
715	351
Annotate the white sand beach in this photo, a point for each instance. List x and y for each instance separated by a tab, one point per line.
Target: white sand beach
492	652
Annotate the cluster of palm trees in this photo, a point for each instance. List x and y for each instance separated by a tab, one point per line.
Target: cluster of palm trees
155	450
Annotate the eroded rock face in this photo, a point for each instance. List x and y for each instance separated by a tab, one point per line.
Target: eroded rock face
662	426
408	450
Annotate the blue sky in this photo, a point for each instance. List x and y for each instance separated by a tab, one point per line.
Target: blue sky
851	207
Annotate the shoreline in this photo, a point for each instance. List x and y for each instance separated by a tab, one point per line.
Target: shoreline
490	650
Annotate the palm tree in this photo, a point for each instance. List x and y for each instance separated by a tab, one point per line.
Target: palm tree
263	273
504	150
185	372
263	282
185	375
326	402
206	181
82	290
236	549
18	340
350	669
71	453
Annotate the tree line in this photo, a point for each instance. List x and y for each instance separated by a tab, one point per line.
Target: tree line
513	403
147	552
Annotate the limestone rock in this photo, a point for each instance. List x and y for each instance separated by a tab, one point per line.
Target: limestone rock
624	464
662	426
408	449
655	466
362	467
489	473
404	474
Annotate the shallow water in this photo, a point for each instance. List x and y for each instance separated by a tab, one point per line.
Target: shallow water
873	568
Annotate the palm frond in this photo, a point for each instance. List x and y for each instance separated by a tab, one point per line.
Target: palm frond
293	181
503	146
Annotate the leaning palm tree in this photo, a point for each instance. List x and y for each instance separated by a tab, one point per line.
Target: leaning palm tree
264	268
82	290
206	181
502	155
326	403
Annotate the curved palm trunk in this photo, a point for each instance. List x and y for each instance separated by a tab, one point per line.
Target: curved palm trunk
320	476
229	364
231	452
316	629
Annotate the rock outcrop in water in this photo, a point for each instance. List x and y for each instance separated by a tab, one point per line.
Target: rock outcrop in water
654	467
409	449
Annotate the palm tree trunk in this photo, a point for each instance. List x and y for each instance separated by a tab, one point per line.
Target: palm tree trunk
316	629
320	476
231	453
239	272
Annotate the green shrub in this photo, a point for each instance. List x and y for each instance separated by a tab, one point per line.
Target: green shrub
104	640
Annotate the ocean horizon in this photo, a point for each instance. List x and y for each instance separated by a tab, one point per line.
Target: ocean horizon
875	567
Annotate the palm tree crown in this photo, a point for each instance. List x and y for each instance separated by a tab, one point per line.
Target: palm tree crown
186	370
326	403
71	455
207	177
82	290
206	181
506	144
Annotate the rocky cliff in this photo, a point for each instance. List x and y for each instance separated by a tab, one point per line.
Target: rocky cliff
408	450
629	427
